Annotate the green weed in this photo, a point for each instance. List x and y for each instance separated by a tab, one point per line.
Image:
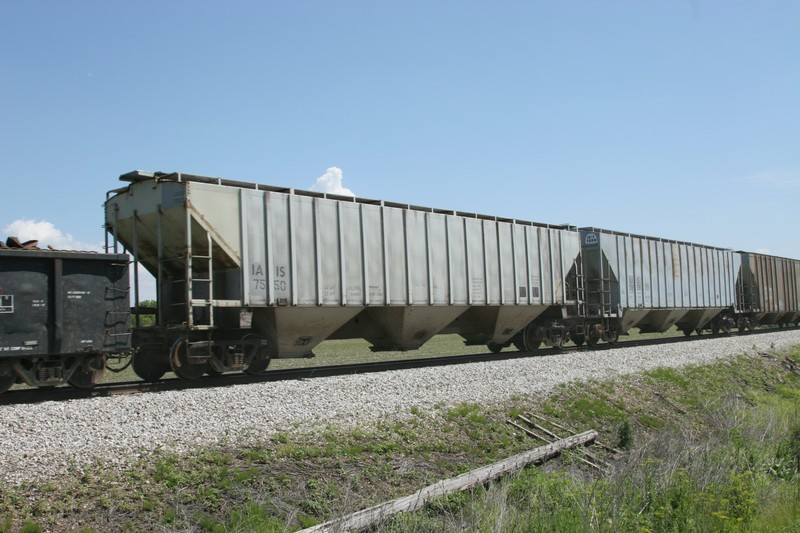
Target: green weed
670	376
30	527
587	408
651	421
469	412
625	436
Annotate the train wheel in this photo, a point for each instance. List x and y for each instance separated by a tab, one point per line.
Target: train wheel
611	336
530	339
558	342
519	344
593	334
6	382
532	345
579	340
257	367
260	360
180	363
148	364
89	373
494	347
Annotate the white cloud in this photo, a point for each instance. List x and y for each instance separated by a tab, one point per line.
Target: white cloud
331	182
47	235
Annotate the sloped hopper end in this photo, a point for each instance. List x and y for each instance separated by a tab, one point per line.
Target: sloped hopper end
295	331
661	320
143	222
698	318
630	318
408	328
481	325
775	318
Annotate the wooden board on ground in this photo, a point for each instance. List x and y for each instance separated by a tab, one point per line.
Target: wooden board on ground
378	513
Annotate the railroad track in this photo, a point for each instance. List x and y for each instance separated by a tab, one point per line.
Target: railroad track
32	396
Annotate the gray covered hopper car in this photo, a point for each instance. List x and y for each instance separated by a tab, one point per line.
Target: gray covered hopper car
654	284
61	315
247	272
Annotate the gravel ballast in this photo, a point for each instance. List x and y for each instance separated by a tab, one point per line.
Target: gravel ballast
43	441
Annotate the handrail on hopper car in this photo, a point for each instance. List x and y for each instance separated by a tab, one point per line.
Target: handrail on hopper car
142	175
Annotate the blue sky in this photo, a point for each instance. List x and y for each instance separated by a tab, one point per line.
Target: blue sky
674	119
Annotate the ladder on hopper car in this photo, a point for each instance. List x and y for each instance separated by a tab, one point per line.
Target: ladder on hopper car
204	319
746	296
198	278
601	305
580	288
605	293
198	311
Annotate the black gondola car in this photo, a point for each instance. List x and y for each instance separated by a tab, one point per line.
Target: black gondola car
62	314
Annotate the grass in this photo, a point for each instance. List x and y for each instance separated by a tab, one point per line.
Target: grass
733	465
711	448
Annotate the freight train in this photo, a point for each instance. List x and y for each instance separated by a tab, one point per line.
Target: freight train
248	272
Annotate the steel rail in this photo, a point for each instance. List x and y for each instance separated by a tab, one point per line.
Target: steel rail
63	393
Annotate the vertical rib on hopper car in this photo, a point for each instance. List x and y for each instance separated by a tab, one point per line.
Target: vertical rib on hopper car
246	272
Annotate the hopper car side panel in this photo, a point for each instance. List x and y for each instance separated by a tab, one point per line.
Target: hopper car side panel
363	254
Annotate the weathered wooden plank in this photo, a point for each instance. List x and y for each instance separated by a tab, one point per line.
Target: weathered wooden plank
552	436
546	439
537	426
570	430
376	514
529	432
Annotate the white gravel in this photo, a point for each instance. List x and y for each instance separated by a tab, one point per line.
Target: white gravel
44	441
